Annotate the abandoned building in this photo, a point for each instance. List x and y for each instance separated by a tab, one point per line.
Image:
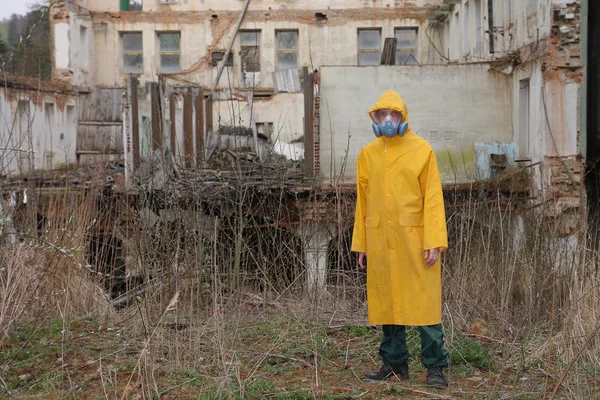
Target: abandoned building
492	85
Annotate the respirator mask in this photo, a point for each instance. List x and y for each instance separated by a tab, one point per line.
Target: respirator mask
385	125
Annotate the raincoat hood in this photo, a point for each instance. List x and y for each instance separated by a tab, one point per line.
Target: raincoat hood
392	100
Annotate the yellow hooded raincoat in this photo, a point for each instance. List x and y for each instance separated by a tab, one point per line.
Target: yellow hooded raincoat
399	214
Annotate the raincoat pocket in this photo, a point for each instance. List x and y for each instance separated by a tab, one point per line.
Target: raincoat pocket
412	229
374	237
411	220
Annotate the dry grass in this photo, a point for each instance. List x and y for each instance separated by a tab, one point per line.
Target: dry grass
224	309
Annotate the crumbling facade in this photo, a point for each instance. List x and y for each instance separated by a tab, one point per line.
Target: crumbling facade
538	44
38	126
491	84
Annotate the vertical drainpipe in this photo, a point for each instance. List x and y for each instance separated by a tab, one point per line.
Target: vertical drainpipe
584	82
124	5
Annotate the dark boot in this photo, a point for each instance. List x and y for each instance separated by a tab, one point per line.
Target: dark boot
386	371
436	378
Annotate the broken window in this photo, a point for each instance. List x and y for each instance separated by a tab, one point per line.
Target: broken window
130	5
169	50
133	53
135	5
406	45
251	51
265	129
287	49
218	55
250	54
369	46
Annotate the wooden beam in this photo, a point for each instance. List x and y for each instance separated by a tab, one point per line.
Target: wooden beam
253	123
229	46
156	117
135	122
388	56
491	25
173	118
188	128
199	105
209	116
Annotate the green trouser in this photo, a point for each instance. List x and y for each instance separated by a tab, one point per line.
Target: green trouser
394	351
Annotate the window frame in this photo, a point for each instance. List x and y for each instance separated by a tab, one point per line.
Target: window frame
256	46
416	48
131	53
286	51
160	52
366	50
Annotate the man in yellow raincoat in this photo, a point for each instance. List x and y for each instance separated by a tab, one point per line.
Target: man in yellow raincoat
400	226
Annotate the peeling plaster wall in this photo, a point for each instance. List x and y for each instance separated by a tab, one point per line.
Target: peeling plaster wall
72	33
206	5
38	130
62	42
451	106
334	42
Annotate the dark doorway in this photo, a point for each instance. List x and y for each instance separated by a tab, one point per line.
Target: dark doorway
593	113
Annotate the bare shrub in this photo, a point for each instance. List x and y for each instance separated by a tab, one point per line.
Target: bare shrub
18	280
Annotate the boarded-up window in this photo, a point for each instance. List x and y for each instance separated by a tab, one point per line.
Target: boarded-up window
287	49
250	51
369	46
133	53
169	49
406	45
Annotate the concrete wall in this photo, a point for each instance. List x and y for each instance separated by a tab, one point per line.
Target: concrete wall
334	42
38	130
452	106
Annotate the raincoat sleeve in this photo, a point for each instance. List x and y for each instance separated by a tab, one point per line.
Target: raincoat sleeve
434	222
359	236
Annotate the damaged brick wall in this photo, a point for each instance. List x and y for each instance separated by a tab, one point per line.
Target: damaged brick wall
566	193
562	77
565	36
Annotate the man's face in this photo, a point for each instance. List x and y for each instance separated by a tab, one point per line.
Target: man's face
384	113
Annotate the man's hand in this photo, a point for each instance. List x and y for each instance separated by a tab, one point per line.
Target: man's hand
431	256
361	260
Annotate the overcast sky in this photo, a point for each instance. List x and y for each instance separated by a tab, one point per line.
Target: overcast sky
9	7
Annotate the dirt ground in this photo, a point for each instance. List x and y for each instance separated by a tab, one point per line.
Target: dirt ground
274	355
